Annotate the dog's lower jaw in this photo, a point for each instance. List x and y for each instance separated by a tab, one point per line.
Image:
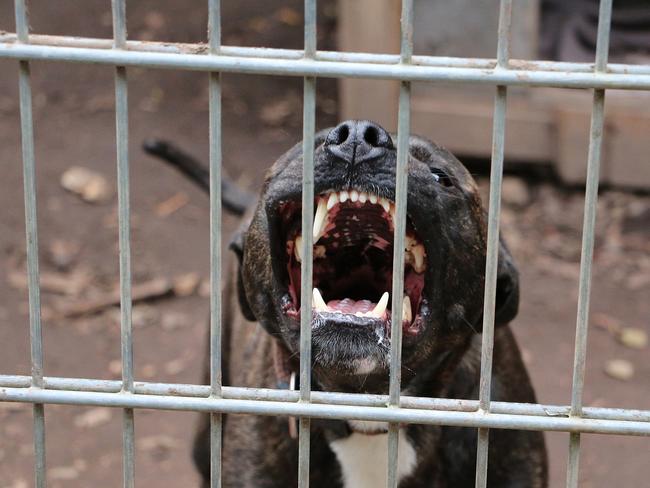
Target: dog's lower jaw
363	459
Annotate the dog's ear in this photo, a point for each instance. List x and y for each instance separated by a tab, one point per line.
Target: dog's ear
237	246
507	299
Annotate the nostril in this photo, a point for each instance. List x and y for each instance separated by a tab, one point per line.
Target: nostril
371	136
341	135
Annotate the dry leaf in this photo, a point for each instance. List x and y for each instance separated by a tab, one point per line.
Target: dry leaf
185	285
63	473
633	338
62	253
620	369
171	205
93	418
91	186
174	320
289	16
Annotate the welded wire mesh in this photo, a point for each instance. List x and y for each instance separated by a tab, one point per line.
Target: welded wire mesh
309	63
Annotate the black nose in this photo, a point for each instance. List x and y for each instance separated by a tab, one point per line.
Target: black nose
355	141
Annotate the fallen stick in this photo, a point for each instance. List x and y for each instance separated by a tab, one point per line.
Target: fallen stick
156	288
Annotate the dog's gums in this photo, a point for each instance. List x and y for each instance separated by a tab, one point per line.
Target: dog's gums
353	260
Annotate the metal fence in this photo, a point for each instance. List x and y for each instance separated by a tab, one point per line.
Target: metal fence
309	63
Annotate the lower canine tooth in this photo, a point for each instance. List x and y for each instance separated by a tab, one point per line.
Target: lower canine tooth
318	302
297	248
407	314
418	258
380	308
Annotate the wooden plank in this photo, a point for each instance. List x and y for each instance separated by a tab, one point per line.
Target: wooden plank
369	26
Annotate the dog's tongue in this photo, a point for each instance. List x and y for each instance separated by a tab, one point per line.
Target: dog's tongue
348	305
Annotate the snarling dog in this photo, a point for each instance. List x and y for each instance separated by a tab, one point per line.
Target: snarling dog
444	268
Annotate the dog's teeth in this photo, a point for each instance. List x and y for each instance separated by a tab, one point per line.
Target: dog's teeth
320	219
373	198
319	252
380	308
407	314
363	197
297	248
343	196
317	301
418	258
354	195
332	200
384	203
409	243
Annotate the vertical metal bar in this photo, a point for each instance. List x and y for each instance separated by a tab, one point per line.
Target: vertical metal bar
31	237
122	148
589	223
308	132
397	290
492	252
216	424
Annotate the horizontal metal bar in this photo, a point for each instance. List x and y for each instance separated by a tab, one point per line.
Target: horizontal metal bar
338	56
349	399
314	410
331	69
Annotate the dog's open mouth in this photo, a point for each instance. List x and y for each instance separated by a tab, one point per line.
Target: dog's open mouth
353	260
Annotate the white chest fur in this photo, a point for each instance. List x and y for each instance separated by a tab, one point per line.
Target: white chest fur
363	459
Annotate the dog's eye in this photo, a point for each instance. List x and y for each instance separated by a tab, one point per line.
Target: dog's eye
441	177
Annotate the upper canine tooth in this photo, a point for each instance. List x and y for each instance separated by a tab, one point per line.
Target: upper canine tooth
373	198
363	197
317	301
384	203
354	195
380	308
332	200
297	248
407	314
343	196
320	219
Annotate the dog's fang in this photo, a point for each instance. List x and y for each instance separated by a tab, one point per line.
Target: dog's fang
297	248
380	308
384	203
407	314
320	219
318	302
332	200
418	258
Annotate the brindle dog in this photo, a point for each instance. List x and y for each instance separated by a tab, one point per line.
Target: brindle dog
444	270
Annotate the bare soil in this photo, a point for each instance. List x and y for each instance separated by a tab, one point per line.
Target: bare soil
74	126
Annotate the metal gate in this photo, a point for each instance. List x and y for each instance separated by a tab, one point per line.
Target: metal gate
304	404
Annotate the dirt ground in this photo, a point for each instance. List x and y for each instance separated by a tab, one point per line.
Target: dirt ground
74	126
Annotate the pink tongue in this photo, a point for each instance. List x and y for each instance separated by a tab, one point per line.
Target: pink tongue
347	305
